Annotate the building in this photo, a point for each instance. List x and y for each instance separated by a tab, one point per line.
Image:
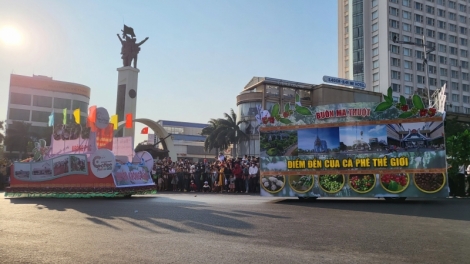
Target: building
187	139
262	93
33	99
367	52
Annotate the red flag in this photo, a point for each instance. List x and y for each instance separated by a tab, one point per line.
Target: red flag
91	119
104	137
128	120
145	130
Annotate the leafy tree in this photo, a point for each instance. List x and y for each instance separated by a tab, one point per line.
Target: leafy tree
18	137
221	133
453	127
458	151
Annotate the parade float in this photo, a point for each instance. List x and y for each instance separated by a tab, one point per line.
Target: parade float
392	149
82	162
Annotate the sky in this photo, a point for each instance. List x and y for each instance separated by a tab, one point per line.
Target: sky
307	137
347	135
199	56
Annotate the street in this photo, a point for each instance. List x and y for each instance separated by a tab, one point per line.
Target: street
221	228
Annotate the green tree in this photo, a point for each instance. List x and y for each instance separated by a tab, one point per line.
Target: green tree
458	151
19	137
453	127
221	133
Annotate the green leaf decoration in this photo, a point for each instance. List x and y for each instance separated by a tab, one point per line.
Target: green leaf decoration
390	92
285	121
393	186
383	106
286	107
303	110
297	97
388	99
405	115
402	100
418	102
275	110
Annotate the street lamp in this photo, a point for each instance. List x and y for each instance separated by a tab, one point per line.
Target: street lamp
425	61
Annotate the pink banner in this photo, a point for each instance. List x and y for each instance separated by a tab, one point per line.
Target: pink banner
73	146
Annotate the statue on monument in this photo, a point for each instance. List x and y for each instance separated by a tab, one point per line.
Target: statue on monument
130	48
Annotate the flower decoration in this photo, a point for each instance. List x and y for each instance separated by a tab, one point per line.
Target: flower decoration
40	150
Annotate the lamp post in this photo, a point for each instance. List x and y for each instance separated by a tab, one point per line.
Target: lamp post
427	50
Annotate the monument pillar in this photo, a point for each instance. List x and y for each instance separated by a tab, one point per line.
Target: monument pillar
126	102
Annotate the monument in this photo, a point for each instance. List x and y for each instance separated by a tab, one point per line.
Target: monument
127	78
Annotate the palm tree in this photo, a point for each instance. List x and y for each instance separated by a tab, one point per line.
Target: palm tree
18	137
224	132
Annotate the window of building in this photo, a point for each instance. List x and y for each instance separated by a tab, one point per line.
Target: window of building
463	30
420	79
19	114
406	3
375	64
407	52
375	39
393	11
418	6
375	27
453	62
419	67
465	76
375	15
21	99
430	33
430	10
443	82
419	30
393	49
394	1
432	69
375	88
375	76
441	2
430	21
432	81
396	88
442	48
452	39
442	36
452	27
42	101
408	89
463	41
432	57
395	75
408	64
408	77
406	27
394	24
419	18
40	116
454	74
464	64
465	87
272	90
288	93
441	12
455	97
79	104
452	16
60	103
466	99
395	62
453	51
406	38
452	5
406	15
462	8
419	54
375	51
443	72
463	53
375	3
463	19
441	24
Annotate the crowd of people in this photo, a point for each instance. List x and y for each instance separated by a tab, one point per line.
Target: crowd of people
240	175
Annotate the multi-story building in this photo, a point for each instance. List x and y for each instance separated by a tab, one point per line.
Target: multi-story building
264	92
33	99
187	139
367	52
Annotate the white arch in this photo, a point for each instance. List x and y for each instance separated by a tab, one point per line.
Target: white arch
159	131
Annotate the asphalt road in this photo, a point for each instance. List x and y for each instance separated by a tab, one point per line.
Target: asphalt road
220	228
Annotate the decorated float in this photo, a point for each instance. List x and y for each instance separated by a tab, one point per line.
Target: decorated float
82	162
393	149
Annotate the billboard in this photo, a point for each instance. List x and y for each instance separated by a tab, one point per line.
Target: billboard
388	149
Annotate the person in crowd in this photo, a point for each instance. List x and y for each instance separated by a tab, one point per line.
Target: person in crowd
193	186
166	171
215	187
246	177
206	187
467	181
174	178
231	184
222	177
252	171
160	183
215	175
238	174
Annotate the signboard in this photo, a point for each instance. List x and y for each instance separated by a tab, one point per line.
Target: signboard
345	82
102	163
130	175
123	146
72	140
102	118
352	150
54	168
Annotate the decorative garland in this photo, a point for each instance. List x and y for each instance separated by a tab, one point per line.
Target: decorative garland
78	192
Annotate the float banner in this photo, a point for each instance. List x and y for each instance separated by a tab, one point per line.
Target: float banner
59	166
104	137
122	146
129	175
78	145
